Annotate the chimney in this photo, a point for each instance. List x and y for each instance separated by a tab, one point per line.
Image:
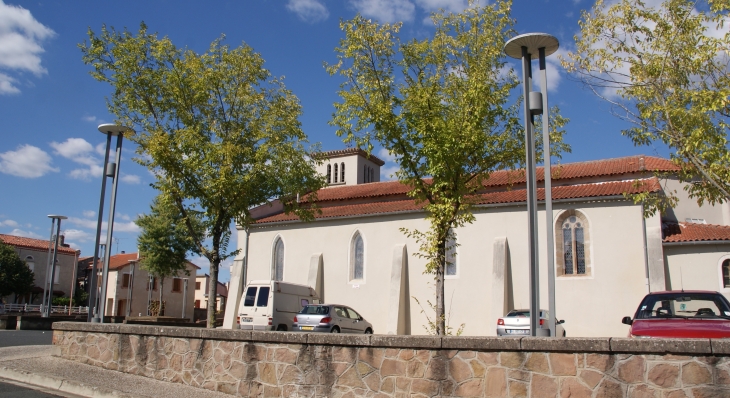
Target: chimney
62	241
642	167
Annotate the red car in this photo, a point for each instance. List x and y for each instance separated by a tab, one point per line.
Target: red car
681	314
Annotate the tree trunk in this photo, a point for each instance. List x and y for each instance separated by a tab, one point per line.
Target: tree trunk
159	309
212	292
440	313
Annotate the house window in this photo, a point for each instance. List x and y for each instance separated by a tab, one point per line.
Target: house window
30	262
357	258
197	285
177	285
197	303
572	244
125	280
153	283
342	172
726	273
57	275
278	258
451	265
335	178
329	173
372	175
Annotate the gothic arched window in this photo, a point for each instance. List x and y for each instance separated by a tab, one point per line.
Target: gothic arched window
357	258
572	240
278	260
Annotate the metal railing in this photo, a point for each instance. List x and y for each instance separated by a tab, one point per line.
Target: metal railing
55	309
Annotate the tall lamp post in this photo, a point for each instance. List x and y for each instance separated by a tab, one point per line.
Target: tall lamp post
51	265
111	169
524	47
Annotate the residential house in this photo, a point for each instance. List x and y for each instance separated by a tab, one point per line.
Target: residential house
202	283
607	255
35	253
130	288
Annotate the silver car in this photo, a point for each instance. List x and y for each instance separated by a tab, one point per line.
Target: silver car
517	323
330	318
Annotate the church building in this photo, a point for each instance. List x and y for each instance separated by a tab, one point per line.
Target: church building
607	255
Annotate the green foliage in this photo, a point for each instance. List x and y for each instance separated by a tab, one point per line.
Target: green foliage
433	324
664	70
219	133
165	241
61	301
80	297
441	107
15	276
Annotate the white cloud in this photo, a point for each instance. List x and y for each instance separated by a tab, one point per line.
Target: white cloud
454	6
100	149
126	227
131	179
311	11
21	36
387	171
80	151
77	235
91	224
27	161
8	223
124	217
89	213
25	234
90	119
385	11
7	85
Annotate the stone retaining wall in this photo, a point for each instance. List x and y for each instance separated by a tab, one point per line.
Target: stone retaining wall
286	364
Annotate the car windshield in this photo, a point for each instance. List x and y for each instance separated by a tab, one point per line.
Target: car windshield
520	313
315	310
681	305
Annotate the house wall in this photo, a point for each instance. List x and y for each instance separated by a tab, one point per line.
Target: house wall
66	263
201	294
354	169
591	305
688	208
140	290
696	267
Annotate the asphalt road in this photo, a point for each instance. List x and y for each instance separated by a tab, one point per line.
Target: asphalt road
14	389
11	338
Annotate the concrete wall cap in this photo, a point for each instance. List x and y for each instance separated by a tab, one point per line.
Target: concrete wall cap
87	327
405	341
481	343
572	344
720	346
225	334
362	340
279	337
661	346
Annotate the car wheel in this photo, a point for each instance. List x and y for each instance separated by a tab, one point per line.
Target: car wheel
368	331
281	328
335	330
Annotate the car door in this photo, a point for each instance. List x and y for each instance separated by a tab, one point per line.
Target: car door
355	324
342	319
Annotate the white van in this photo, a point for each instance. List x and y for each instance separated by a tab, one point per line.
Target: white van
272	305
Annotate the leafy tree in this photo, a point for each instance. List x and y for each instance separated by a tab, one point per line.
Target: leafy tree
440	106
664	70
220	134
165	241
15	277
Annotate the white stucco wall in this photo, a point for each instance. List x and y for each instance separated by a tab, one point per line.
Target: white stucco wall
696	267
591	305
688	208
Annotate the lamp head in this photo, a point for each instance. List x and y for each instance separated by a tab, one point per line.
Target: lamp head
114	129
534	42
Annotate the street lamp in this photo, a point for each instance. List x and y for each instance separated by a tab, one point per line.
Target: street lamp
51	265
111	169
536	102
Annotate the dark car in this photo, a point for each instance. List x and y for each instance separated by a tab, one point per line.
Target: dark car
681	314
330	318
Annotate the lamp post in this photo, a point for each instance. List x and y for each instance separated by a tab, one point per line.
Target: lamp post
51	265
111	169
536	103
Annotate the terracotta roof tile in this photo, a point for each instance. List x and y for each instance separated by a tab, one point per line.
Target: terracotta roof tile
30	243
117	261
615	188
562	173
689	232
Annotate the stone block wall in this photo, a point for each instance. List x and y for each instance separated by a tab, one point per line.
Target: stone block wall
281	364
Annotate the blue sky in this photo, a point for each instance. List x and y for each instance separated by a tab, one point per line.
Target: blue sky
51	153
